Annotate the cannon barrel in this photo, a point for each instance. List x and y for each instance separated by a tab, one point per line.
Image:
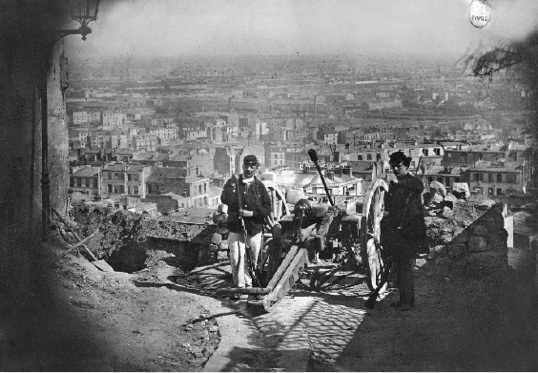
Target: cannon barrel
310	209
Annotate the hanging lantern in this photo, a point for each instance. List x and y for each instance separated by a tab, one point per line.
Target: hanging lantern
84	12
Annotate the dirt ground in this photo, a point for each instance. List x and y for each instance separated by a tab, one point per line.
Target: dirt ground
81	319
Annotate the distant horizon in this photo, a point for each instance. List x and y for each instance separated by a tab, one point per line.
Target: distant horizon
180	28
398	55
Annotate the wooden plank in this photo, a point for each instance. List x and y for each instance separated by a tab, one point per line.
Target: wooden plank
287	280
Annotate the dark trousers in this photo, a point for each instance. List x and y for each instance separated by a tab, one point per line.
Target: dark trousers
404	276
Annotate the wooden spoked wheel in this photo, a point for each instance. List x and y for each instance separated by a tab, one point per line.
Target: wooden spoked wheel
271	252
279	206
372	213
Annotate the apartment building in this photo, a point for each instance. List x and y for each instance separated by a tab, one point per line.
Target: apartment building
161	122
164	181
86	180
145	143
125	178
85	117
113	120
165	135
496	181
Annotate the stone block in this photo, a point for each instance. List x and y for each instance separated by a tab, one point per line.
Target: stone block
464	223
222	255
486	203
447	212
419	263
451	198
433	221
446	238
439	188
480	230
461	190
436	200
216	238
478	243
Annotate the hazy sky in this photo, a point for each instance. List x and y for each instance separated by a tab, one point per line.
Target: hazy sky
208	27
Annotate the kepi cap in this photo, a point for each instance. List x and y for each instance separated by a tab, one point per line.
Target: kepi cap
251	160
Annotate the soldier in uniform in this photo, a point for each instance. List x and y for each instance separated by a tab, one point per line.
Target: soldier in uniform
248	204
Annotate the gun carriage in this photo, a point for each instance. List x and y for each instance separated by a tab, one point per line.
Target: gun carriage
295	239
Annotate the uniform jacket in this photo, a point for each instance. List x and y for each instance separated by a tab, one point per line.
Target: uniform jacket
254	198
404	229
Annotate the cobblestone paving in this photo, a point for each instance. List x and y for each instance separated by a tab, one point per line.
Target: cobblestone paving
308	330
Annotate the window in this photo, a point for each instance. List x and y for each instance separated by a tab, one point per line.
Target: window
499	192
129	177
480	177
73	182
200	189
109	188
135	190
430	179
116	176
378	156
511	178
490	179
135	177
359	157
368	157
499	178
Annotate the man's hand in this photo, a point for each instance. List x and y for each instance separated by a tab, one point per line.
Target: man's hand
246	213
385	214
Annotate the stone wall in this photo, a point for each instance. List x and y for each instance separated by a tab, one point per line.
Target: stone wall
477	250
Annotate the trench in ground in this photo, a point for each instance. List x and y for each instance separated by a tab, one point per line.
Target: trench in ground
137	256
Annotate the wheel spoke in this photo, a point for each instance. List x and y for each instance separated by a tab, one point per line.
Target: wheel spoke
373	209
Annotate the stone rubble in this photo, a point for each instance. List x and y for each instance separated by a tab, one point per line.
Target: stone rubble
465	234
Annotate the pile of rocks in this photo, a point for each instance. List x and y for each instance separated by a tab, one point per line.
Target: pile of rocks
465	231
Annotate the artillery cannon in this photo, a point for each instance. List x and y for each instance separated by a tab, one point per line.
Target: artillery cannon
295	239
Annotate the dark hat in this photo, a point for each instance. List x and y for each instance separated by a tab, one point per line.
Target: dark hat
251	160
400	157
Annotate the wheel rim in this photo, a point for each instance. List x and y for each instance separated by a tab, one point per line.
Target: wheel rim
372	213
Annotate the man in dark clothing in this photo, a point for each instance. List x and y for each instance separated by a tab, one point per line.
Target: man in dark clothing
248	203
403	229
